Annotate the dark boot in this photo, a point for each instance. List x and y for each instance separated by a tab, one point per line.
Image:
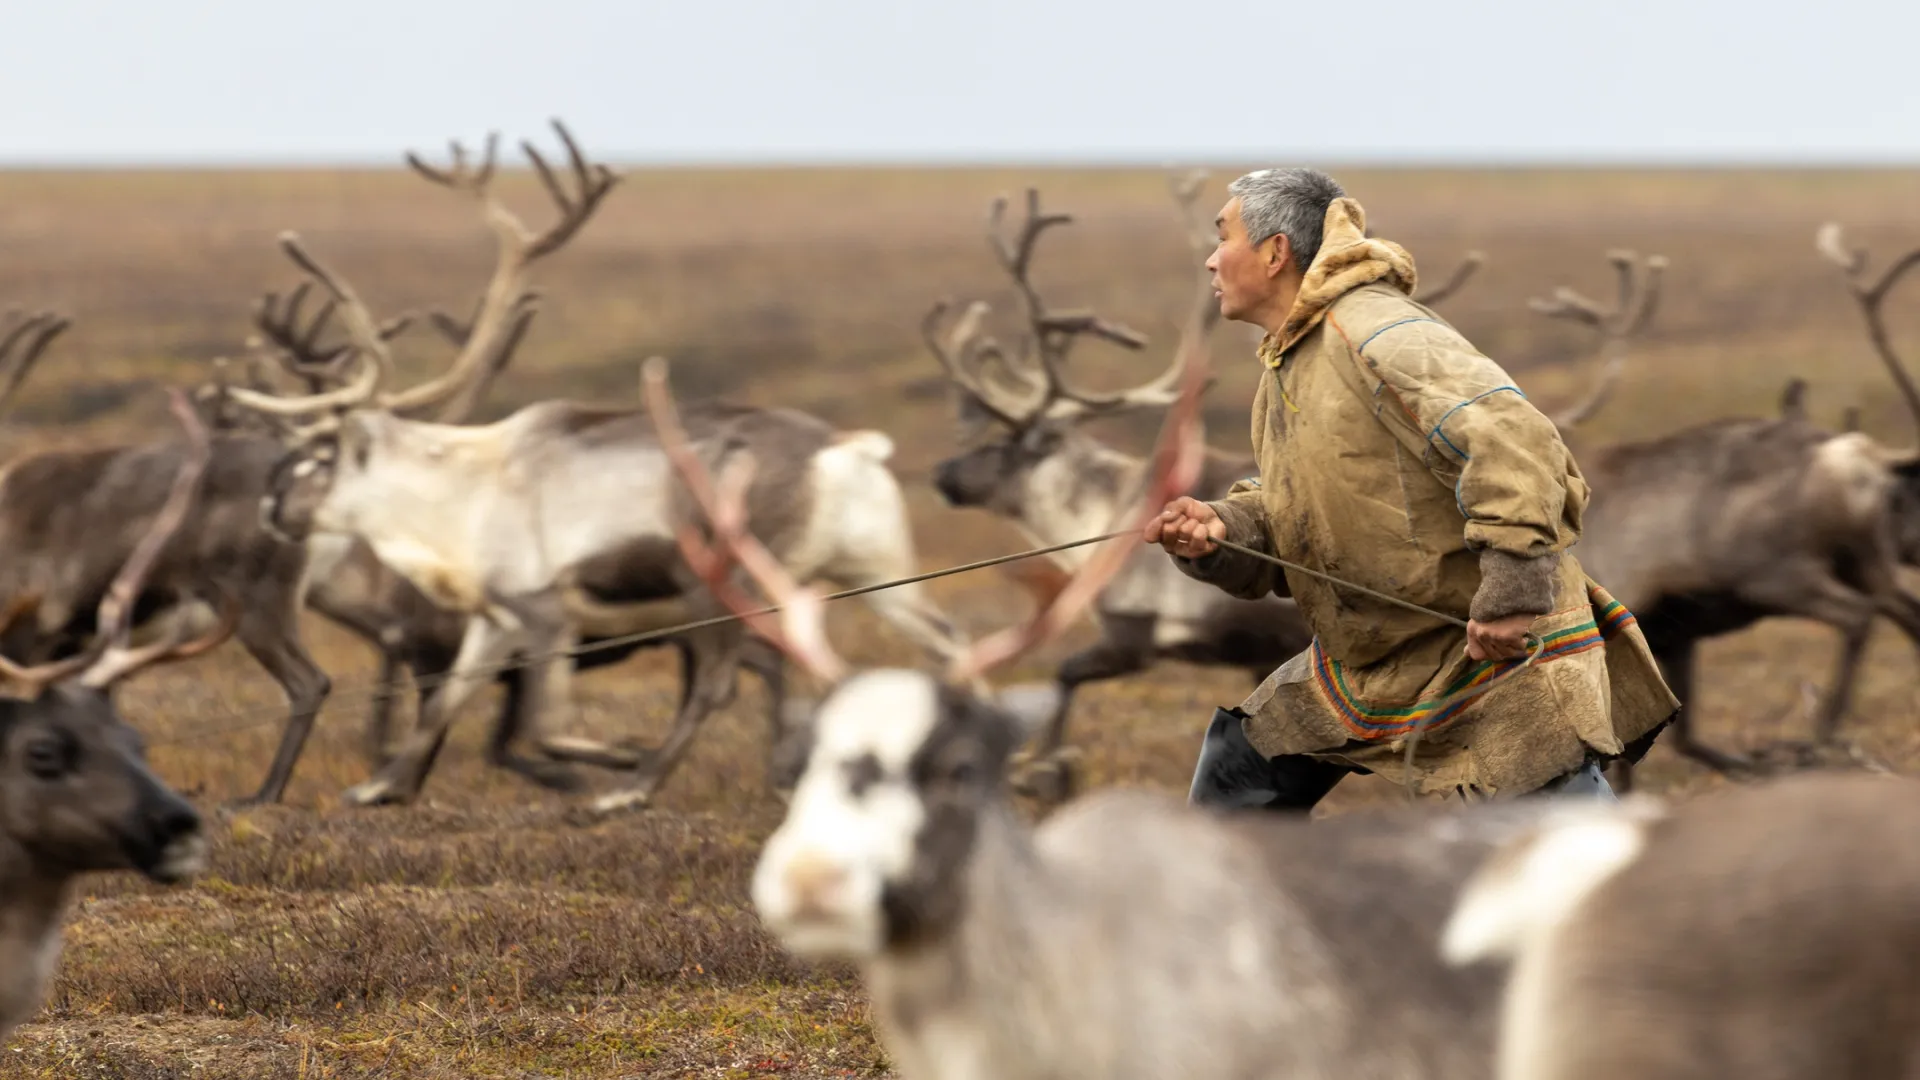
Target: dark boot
1231	774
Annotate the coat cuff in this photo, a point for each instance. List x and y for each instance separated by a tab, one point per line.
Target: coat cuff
1513	585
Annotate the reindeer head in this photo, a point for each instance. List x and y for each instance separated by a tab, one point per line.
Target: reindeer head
904	766
359	426
1020	414
75	790
76	793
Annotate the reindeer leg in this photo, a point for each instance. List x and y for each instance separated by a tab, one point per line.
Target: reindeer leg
513	721
1052	773
485	645
1677	662
1809	589
380	720
551	638
787	738
709	666
270	633
1833	707
1125	650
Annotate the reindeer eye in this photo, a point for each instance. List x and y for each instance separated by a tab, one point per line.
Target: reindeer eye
47	758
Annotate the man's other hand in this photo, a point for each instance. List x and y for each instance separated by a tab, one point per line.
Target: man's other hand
1187	528
1501	639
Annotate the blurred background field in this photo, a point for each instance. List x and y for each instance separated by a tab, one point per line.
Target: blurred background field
485	932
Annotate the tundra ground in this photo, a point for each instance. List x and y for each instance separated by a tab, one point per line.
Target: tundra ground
490	931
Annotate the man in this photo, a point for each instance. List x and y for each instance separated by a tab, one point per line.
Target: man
1394	456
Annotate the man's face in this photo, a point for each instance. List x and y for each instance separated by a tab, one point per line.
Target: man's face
1246	276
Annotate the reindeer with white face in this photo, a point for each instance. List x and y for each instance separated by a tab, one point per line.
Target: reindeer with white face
1710	529
1128	937
560	513
76	794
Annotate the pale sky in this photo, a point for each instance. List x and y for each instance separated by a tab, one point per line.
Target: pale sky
1013	81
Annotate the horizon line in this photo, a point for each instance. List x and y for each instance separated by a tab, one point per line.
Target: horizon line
997	161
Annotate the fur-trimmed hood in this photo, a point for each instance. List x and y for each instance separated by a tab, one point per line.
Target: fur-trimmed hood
1348	258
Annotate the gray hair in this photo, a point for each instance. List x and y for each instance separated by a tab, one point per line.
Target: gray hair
1292	202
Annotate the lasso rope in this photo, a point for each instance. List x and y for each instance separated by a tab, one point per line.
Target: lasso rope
423	682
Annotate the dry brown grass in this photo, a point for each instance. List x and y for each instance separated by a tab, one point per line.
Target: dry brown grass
487	931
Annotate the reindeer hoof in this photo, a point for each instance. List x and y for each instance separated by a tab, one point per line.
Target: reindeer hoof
372	793
621	802
551	775
1052	779
587	751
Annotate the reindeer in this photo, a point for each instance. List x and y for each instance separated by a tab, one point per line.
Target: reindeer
1707	530
347	583
68	518
1030	462
557	514
76	794
1761	930
1129	936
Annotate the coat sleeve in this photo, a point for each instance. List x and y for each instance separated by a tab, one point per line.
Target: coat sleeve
1513	477
1244	512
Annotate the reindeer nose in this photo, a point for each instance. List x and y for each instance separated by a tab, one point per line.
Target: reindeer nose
946	482
173	819
812	879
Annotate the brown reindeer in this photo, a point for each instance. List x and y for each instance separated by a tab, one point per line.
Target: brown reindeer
1763	930
76	795
70	518
1710	529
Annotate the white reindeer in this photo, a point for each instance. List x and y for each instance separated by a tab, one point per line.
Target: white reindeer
562	513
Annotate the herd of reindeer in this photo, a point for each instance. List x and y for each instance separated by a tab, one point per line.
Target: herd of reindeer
1126	935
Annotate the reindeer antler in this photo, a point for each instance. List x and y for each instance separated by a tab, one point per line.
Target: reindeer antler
298	349
1639	296
109	657
21	345
1186	195
1039	388
800	631
500	319
1831	242
1470	263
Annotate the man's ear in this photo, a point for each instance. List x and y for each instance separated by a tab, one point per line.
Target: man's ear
1279	254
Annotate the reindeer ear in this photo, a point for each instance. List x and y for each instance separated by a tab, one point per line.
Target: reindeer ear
974	418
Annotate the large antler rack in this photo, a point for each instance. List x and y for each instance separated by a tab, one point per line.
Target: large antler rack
1831	242
110	656
1639	284
1031	385
487	339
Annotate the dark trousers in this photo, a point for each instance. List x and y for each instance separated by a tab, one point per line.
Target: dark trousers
1231	774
